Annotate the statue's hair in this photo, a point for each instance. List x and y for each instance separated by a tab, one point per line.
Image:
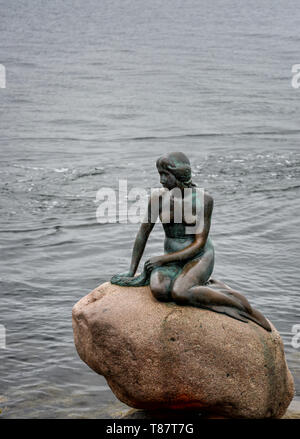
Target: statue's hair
179	165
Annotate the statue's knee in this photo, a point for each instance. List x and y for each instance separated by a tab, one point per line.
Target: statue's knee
160	292
160	288
179	294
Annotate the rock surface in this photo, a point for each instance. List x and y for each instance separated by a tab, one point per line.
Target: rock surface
158	355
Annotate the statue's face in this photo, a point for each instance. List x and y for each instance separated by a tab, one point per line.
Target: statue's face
167	179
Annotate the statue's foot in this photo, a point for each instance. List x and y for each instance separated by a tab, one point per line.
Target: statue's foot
248	313
258	318
229	311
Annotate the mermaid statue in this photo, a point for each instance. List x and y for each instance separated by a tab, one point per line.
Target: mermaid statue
183	273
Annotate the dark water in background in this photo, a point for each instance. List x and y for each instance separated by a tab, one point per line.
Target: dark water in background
96	91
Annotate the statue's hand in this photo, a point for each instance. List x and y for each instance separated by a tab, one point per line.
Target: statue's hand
152	263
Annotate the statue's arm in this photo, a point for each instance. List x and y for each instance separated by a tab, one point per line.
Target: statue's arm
139	246
144	231
190	251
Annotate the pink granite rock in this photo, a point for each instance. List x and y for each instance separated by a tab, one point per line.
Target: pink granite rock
161	355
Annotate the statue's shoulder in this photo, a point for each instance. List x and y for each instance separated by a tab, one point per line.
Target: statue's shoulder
208	203
208	199
202	194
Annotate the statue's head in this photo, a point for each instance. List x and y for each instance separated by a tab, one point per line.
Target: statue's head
175	170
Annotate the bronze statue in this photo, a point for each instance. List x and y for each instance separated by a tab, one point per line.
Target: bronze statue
183	273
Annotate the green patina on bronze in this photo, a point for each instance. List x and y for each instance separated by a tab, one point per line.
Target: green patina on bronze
182	273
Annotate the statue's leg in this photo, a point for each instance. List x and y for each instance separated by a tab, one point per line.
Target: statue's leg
223	288
189	288
250	313
161	281
214	295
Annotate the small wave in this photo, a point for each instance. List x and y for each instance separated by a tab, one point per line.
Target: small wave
57	244
91	172
26	64
69	121
61	169
277	189
201	135
35	168
23	230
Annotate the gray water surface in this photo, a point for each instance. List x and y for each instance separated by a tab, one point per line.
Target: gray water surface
96	91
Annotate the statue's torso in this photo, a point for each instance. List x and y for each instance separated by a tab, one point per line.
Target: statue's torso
178	234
